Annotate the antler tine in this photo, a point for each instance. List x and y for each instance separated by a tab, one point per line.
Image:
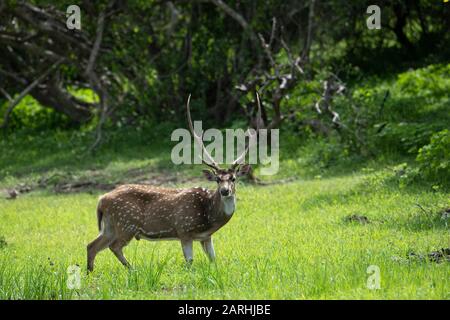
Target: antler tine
242	156
213	164
258	114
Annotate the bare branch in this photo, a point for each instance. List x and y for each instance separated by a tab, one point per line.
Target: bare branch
239	19
102	120
97	43
13	76
272	33
309	35
6	94
266	49
251	135
96	83
294	62
30	87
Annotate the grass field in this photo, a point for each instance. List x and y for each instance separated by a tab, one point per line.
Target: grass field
288	241
356	108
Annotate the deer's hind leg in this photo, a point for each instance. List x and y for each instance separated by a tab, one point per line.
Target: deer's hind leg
102	242
117	248
125	232
104	239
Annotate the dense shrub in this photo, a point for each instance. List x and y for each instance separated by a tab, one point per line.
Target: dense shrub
29	114
405	137
397	115
434	158
430	82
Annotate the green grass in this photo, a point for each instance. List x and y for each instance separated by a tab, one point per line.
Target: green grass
62	156
284	242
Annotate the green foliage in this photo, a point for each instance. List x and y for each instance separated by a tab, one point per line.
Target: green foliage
286	241
30	115
382	118
404	137
326	153
396	115
434	158
432	82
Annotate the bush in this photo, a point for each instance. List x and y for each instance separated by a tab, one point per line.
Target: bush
326	153
29	114
396	115
434	159
431	82
405	137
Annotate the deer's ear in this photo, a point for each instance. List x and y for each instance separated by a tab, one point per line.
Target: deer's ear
244	170
209	175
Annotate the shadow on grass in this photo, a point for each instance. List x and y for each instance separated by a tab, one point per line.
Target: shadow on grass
426	212
67	152
419	221
328	199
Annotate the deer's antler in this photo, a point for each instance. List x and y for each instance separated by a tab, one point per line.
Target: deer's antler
239	159
211	163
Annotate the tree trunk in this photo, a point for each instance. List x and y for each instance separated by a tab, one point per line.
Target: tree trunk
401	15
55	97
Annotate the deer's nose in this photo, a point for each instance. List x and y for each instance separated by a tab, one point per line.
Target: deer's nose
224	192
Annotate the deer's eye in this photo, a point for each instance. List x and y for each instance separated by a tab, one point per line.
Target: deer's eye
233	179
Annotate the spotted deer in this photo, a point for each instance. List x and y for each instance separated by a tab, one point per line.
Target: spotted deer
154	213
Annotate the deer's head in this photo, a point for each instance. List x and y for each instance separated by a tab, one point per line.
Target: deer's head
225	178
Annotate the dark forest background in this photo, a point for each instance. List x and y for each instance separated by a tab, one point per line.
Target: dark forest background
342	92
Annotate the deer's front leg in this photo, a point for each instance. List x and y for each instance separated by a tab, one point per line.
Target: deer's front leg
208	247
187	250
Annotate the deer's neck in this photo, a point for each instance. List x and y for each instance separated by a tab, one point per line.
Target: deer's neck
222	208
228	205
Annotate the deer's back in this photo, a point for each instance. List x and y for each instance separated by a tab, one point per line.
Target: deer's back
134	195
145	200
148	209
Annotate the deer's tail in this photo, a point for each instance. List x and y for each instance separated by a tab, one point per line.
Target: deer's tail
99	215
